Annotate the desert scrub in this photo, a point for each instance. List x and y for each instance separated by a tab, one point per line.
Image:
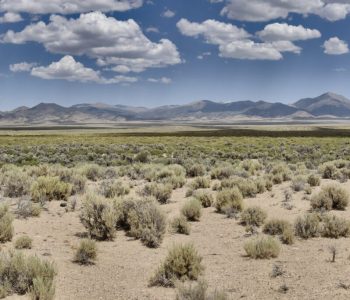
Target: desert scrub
307	226
253	216
15	183
21	274
144	220
280	172
298	183
114	188
197	291
222	172
26	208
262	247
180	225
247	187
196	170
162	192
92	172
99	217
182	263
200	183
86	252
192	210
335	227
314	180
328	170
251	165
331	196
50	188
23	242
175	181
78	183
204	197
282	228
229	199
6	226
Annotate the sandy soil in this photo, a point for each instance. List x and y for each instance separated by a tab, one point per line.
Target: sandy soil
124	266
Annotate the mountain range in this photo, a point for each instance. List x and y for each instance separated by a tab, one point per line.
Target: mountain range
326	106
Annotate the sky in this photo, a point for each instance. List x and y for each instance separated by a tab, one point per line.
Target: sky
159	52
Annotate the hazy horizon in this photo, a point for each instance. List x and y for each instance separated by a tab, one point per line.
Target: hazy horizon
151	53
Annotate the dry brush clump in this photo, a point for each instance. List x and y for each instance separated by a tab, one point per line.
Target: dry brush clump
196	170
23	242
182	263
229	200
20	274
197	291
47	188
99	217
143	219
262	247
181	225
298	183
192	210
281	228
247	187
205	197
15	183
162	192
253	216
314	180
335	227
114	188
307	226
6	226
331	196
86	252
26	208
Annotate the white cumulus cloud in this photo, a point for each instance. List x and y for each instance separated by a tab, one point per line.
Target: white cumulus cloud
71	70
109	41
22	67
10	17
164	80
335	46
67	7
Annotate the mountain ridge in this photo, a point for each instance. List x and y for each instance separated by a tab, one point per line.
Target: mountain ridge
327	105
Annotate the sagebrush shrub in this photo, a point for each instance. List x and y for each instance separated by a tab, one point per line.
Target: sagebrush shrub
247	187
307	226
314	180
335	227
262	247
112	188
328	170
21	274
200	183
205	197
222	172
50	188
92	172
228	199
331	196
6	226
192	210
86	252
281	228
99	217
182	263
253	216
26	208
196	170
162	192
16	183
180	225
23	242
197	291
144	220
298	183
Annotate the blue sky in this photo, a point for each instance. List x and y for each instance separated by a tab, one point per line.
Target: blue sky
150	53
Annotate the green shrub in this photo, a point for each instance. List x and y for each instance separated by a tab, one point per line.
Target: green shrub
251	166
182	263
112	188
6	227
99	217
314	180
86	252
331	196
253	216
161	192
175	181
22	274
200	183
145	221
281	228
280	172
143	157
328	170
50	188
247	187
205	197
262	247
335	227
192	210
307	226
180	225
222	172
23	242
229	199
